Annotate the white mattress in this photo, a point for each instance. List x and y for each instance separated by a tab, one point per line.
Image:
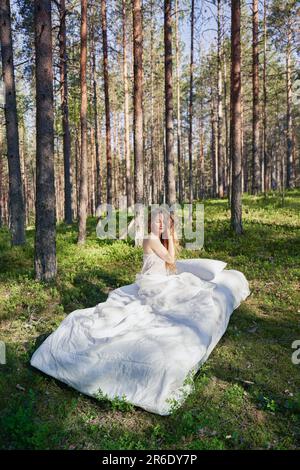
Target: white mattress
144	350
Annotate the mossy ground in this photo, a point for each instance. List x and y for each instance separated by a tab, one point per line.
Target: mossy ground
247	395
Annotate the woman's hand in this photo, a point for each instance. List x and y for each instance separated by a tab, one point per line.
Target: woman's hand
167	231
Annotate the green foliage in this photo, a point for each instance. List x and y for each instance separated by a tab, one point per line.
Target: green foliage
246	396
116	403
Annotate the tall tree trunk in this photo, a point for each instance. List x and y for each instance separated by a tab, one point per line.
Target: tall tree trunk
138	119
16	200
22	164
214	148
83	187
244	155
220	108
115	161
266	159
227	146
201	155
235	124
191	106
290	174
179	158
126	112
45	218
152	66
65	114
92	170
255	88
107	105
95	100
170	174
77	170
1	179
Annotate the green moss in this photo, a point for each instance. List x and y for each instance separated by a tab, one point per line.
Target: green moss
246	396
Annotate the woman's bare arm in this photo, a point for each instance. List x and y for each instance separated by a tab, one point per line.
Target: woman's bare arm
161	251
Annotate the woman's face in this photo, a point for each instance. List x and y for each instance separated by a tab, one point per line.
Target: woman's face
157	225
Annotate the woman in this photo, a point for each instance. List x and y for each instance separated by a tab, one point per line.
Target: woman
144	339
161	244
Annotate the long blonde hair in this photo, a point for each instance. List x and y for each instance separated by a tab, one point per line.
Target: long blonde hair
165	241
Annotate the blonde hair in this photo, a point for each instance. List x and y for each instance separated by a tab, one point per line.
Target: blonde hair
171	267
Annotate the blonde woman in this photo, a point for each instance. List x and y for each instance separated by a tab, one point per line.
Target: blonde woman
144	339
161	245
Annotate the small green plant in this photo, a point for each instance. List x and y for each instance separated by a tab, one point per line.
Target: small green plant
267	403
182	392
117	403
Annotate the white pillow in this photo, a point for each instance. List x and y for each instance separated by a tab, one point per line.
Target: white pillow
206	269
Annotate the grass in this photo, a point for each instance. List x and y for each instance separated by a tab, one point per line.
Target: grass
247	395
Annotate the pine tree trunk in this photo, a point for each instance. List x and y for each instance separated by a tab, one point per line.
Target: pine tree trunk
68	215
126	113
1	179
214	148
138	119
83	186
235	128
45	233
153	159
95	106
220	109
290	173
107	105
266	158
226	115
22	164
201	155
16	200
179	157
244	155
191	106
255	117
169	124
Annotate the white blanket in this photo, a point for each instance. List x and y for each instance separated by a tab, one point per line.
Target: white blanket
145	340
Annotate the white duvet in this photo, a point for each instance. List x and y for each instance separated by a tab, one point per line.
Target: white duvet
145	340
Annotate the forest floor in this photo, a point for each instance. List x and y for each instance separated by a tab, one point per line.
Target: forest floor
247	395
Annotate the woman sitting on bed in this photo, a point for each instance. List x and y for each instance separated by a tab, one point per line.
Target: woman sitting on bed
145	339
161	245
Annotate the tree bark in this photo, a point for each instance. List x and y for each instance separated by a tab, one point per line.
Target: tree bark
95	100
290	174
65	114
235	128
179	158
1	180
214	148
107	104
45	219
138	118
255	89
191	106
16	200
220	109
126	111
266	158
83	186
170	176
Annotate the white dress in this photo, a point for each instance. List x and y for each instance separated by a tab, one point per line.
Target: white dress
140	344
153	264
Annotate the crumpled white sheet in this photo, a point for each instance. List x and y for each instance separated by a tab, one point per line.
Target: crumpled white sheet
144	340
